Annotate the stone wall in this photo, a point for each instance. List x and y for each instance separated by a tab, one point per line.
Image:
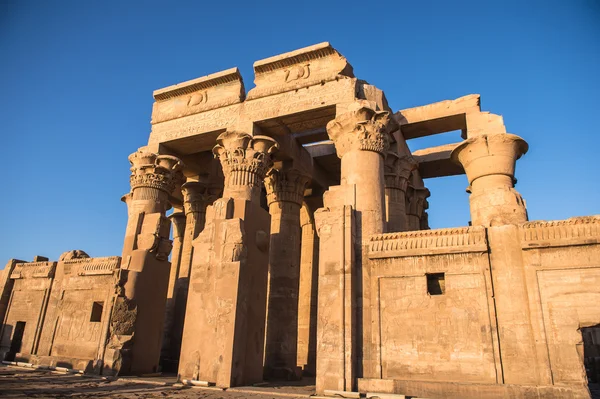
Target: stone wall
65	306
446	315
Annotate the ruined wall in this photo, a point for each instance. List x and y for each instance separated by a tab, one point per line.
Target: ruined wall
461	333
65	306
78	312
27	304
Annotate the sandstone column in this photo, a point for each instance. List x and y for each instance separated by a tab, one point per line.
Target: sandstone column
196	197
397	173
224	331
285	193
352	211
178	223
489	162
307	293
137	321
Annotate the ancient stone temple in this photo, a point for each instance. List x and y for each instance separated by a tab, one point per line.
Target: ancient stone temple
299	244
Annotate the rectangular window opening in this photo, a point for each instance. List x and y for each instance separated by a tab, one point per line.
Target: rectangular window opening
436	283
96	315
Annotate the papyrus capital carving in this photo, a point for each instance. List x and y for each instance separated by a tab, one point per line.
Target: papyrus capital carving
161	172
286	185
197	196
245	159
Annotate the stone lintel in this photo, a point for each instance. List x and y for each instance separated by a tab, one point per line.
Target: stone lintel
198	132
321	149
440	117
300	68
197	95
436	161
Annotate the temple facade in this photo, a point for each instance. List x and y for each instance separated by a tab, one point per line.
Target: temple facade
283	232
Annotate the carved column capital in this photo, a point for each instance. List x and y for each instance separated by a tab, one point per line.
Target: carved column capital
178	221
361	128
197	196
416	201
397	170
285	185
245	159
152	171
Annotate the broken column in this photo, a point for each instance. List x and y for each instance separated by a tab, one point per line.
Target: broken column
137	321
285	193
489	162
224	332
397	173
352	211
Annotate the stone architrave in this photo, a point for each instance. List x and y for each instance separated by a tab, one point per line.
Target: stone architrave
224	331
137	321
489	162
397	173
285	193
362	138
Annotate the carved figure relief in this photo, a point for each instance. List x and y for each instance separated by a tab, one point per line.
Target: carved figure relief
297	72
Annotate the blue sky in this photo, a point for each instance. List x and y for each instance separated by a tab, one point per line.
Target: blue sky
77	81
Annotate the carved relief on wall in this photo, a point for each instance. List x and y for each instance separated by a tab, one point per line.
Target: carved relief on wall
297	72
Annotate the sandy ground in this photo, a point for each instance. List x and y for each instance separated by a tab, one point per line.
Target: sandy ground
17	382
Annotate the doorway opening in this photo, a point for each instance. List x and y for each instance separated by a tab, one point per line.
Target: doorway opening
16	342
591	357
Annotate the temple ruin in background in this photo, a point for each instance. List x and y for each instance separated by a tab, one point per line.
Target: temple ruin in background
299	244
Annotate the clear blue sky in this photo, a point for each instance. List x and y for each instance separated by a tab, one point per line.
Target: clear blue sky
77	81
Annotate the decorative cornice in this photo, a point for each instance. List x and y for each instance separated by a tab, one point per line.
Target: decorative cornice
245	159
92	266
285	186
33	270
428	242
556	233
361	128
161	172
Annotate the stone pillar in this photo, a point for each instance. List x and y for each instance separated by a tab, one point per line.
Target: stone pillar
416	203
489	162
224	331
285	193
397	173
361	137
137	321
307	293
196	197
178	223
352	212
